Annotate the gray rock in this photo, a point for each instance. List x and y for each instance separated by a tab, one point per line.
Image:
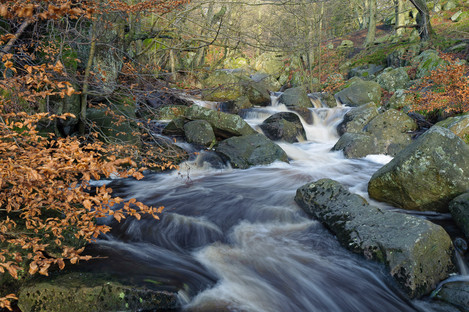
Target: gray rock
356	145
223	85
400	56
416	252
199	132
365	72
357	118
392	79
459	208
224	125
346	44
175	127
426	62
459	125
270	63
75	292
458	16
359	93
295	97
250	150
426	175
449	5
284	127
391	131
457	294
257	93
400	99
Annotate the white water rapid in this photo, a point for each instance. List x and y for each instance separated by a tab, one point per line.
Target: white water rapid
235	240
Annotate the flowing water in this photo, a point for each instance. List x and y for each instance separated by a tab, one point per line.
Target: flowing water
235	240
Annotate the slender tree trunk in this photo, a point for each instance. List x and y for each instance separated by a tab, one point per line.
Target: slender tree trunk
400	17
423	19
84	92
18	33
370	36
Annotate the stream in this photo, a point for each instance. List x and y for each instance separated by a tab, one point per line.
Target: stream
235	240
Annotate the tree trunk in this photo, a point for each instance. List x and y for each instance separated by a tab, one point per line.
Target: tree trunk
423	19
370	36
84	92
400	17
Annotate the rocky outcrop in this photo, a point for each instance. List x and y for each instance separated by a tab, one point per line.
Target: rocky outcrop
416	252
392	79
295	97
426	175
359	93
250	150
459	208
357	118
400	56
284	127
199	132
224	125
427	61
84	292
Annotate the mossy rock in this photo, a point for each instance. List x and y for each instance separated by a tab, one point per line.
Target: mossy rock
83	292
171	112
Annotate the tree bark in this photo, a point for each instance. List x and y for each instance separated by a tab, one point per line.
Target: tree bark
370	36
423	19
400	17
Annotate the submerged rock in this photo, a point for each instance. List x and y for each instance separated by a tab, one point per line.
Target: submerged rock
250	150
78	292
416	252
457	294
224	125
284	127
426	175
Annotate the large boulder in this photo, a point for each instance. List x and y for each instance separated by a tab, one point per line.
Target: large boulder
459	125
199	132
459	208
295	97
270	82
357	118
257	92
400	99
359	93
400	56
426	175
426	62
416	252
224	125
270	63
284	126
392	79
391	131
223	85
356	145
75	292
250	150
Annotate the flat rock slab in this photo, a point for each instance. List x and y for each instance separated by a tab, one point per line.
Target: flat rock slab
417	252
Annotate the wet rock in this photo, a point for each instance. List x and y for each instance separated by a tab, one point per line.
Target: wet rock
459	125
459	208
359	93
199	132
78	292
295	97
356	145
175	127
250	150
257	93
426	175
456	294
270	82
284	127
416	252
392	79
224	125
357	118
